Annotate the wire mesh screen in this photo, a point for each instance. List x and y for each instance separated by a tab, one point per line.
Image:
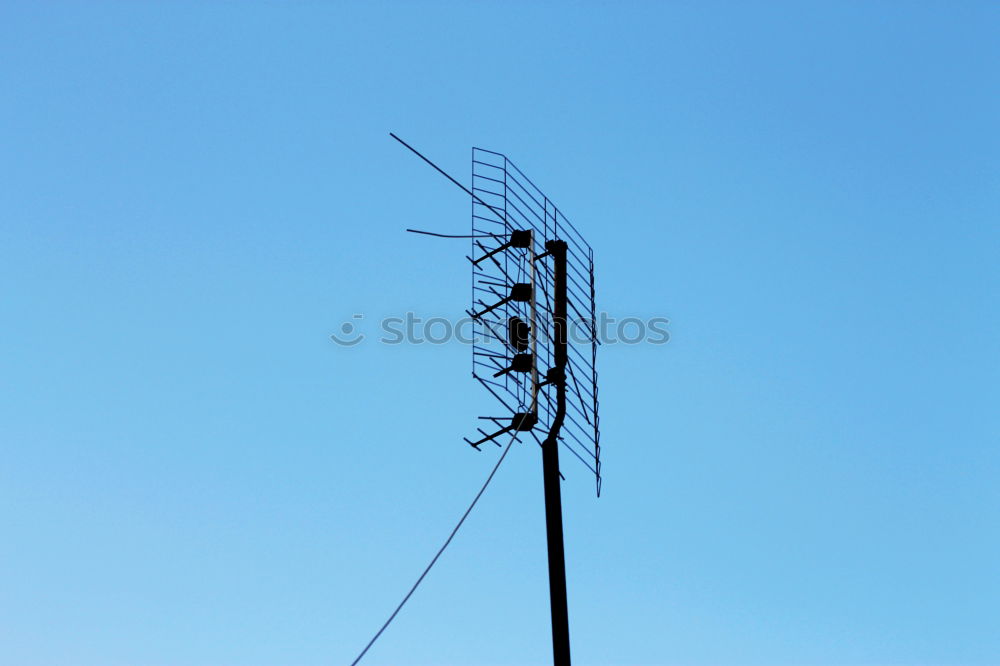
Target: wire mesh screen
506	201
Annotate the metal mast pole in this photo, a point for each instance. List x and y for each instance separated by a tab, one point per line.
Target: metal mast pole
550	464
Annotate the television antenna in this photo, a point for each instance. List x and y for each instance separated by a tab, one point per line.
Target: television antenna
535	342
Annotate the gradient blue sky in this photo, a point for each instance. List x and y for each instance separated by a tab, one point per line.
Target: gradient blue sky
195	195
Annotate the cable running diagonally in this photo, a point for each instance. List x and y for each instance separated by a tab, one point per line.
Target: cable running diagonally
437	555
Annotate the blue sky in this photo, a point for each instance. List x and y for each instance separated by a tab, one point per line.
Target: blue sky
196	195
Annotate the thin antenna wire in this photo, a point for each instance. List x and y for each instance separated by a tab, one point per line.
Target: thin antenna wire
445	174
440	550
431	233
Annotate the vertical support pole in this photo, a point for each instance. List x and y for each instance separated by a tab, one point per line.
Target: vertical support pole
550	464
533	328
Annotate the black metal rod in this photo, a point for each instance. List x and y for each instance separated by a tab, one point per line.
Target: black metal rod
477	315
489	254
550	468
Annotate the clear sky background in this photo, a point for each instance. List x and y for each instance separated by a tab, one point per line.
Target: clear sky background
194	196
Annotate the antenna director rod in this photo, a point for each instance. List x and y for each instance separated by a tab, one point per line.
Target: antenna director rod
550	463
445	174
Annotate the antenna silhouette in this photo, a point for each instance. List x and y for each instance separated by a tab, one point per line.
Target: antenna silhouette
531	269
